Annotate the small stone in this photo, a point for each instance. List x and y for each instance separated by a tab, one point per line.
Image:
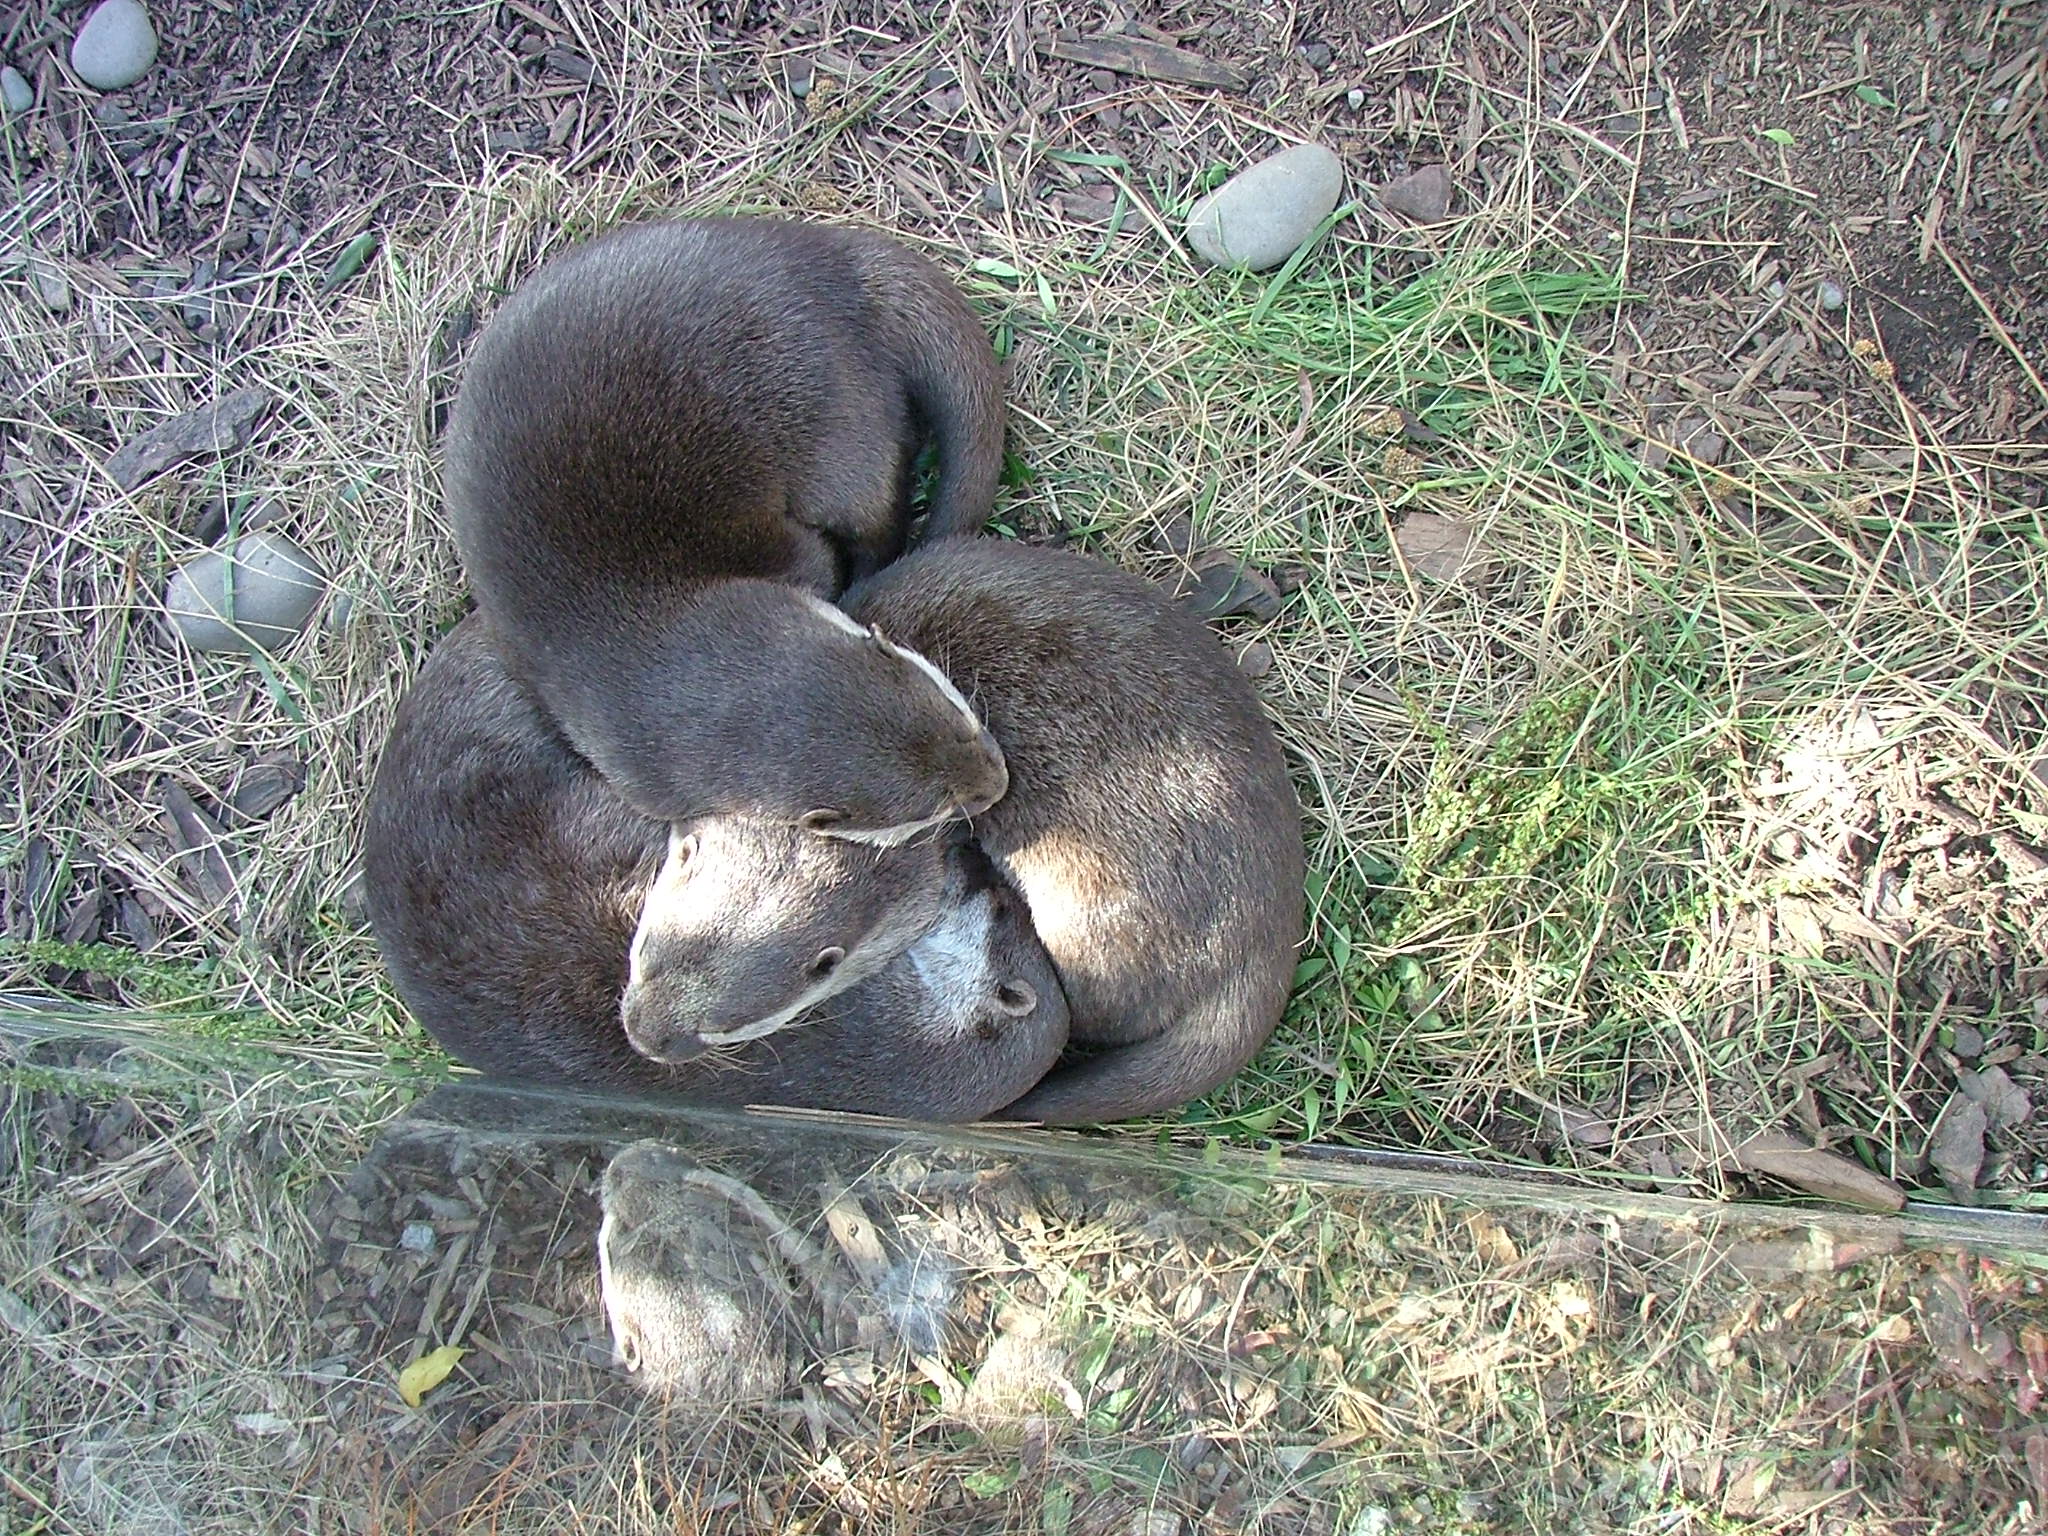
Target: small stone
797	74
1256	659
1424	195
992	199
1260	217
1969	1041
16	94
270	586
1317	55
1832	296
417	1237
116	45
1354	98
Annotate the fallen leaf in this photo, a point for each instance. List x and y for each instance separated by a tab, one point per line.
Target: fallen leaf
1149	60
2037	1466
2003	1101
1956	1149
221	427
427	1373
349	262
1826	1174
1438	548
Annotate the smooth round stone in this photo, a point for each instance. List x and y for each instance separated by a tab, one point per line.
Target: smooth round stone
275	587
16	94
1832	296
116	45
1260	217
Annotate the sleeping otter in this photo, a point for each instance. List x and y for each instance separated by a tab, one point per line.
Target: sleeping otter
1150	825
505	880
671	445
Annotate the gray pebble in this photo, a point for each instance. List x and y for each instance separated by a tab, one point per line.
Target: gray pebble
992	198
1354	98
116	45
275	585
1260	217
797	74
1317	55
1832	296
417	1237
16	94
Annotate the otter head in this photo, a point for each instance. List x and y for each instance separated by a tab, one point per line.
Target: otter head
908	752
750	923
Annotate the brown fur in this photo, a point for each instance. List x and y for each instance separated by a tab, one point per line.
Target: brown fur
668	443
505	879
1149	825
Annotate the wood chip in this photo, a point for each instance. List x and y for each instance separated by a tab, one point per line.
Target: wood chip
1956	1149
1146	59
1440	549
198	838
1225	588
221	427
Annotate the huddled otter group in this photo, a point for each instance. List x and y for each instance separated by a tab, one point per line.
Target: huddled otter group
720	794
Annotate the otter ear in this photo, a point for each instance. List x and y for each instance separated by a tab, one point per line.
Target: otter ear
682	848
823	818
879	640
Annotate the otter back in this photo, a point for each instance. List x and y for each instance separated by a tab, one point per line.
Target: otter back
1150	825
504	880
668	445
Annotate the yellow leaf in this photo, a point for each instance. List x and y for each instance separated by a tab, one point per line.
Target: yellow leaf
427	1373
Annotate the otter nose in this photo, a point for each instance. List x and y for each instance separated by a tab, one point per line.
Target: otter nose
658	1037
998	784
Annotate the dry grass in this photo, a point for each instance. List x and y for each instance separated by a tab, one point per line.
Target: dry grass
1657	825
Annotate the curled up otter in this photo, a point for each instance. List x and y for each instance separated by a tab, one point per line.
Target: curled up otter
671	446
505	880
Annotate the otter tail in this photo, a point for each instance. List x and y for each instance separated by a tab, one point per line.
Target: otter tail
1200	1050
956	385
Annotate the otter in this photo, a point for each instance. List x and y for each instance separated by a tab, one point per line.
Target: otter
1150	825
505	881
671	446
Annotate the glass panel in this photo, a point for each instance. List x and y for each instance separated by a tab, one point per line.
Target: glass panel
223	1271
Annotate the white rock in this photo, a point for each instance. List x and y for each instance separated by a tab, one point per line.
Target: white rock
116	45
16	94
1832	296
1260	217
275	585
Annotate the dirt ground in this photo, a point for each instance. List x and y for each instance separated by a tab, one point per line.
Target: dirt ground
1825	215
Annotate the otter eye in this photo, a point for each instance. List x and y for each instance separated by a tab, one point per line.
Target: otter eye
823	817
827	962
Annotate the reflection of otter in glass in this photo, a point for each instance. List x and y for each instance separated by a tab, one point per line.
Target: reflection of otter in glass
705	1283
504	879
672	444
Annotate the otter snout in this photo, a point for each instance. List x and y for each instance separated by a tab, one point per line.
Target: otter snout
657	1033
989	780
